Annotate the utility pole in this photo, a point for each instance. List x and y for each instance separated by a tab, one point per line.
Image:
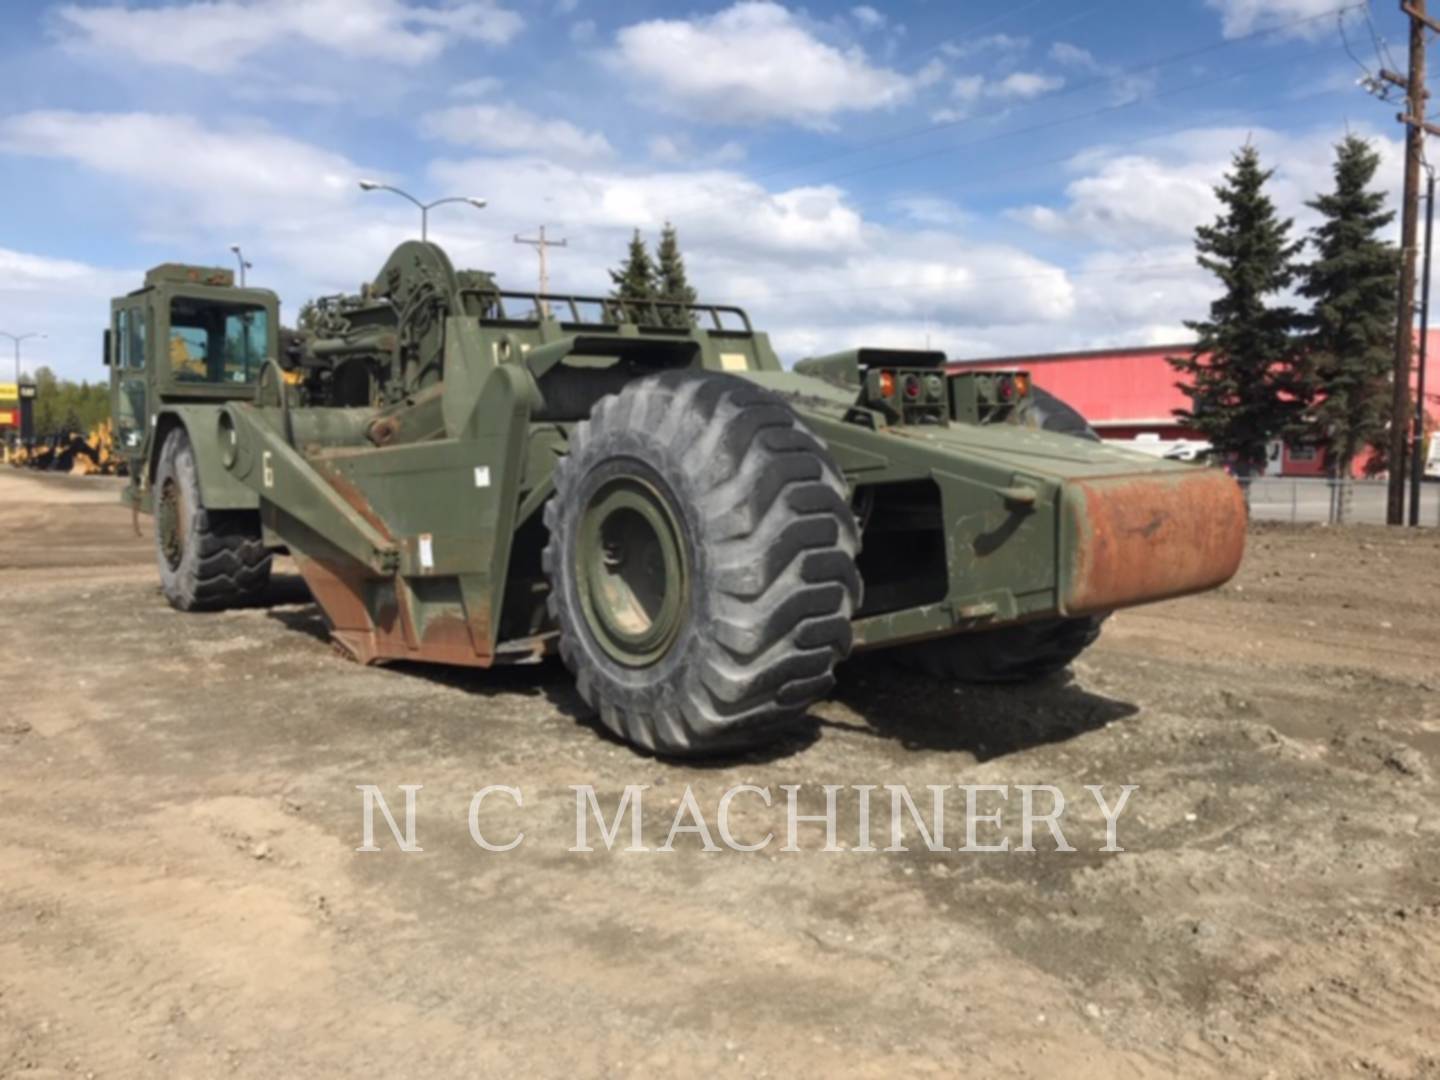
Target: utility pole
1417	438
1416	128
540	243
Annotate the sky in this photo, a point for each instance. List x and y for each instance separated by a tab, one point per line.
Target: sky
986	177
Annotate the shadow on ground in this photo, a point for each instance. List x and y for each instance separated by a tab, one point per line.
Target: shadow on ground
987	721
916	711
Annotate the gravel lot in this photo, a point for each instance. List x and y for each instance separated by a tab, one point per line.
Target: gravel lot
180	893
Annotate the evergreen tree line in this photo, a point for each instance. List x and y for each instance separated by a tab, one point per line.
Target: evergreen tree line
63	406
641	280
1263	369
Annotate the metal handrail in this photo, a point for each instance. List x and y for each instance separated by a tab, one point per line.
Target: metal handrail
612	310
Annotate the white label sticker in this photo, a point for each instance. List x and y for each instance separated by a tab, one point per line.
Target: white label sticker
734	361
482	475
268	470
427	552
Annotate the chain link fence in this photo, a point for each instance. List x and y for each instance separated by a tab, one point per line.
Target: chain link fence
1309	500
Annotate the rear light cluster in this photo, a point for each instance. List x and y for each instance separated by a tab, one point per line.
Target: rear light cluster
1010	388
915	388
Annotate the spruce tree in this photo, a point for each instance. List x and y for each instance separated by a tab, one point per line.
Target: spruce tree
1243	385
1349	334
674	286
636	284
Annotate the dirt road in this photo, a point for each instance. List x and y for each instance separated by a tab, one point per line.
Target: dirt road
180	893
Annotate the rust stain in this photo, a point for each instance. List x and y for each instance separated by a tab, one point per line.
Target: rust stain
1151	537
388	633
352	495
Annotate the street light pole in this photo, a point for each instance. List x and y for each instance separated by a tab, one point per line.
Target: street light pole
244	265
16	339
425	208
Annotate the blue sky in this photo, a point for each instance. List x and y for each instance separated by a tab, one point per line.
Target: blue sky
990	176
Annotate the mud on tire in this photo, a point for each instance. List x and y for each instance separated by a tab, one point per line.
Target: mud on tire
208	559
701	563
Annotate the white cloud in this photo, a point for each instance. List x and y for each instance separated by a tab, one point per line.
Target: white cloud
1017	86
219	36
220	167
484	86
868	17
69	301
1125	86
752	62
1062	52
1307	17
1159	192
1133	199
680	150
1024	85
1006	46
510	129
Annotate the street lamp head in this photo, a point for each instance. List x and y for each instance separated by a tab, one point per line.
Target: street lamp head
369	185
479	204
235	248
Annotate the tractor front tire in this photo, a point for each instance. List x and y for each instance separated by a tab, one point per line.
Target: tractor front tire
208	559
701	563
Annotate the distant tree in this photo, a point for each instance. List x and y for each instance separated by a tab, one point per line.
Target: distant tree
63	406
674	286
1349	334
1242	383
47	402
636	281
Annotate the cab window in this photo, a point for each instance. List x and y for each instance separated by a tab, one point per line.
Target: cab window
216	342
130	336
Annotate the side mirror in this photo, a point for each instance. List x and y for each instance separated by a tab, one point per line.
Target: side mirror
105	349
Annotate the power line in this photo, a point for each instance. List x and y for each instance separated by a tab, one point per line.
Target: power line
1073	88
1030	129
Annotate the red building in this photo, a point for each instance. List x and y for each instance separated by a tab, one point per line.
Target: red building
1132	393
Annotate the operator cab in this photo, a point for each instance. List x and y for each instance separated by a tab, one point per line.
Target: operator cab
188	334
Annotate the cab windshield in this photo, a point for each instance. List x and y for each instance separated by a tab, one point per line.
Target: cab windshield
213	342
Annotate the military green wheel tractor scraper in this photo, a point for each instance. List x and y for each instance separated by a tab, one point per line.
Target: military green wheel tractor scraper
467	475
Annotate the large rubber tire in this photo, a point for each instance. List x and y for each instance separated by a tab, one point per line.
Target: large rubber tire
208	559
755	545
1028	651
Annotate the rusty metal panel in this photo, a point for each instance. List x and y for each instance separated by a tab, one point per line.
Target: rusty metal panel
1134	539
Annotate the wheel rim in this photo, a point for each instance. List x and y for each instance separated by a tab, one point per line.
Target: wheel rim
634	579
171	517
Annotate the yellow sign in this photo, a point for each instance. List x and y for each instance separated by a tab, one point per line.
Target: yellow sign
9	391
9	418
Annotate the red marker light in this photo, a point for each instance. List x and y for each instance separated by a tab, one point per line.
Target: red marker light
912	387
1005	388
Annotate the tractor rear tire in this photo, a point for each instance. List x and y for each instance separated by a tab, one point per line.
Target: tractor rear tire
208	559
701	563
1027	651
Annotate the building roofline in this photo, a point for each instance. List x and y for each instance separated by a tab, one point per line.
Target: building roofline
1085	354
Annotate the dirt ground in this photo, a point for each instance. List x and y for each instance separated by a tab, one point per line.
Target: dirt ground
180	893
